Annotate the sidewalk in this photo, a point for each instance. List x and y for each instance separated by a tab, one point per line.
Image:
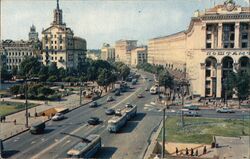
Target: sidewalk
9	129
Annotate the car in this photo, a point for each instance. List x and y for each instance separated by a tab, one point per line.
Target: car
192	107
146	89
140	96
57	117
110	99
191	113
93	121
224	110
150	80
110	112
118	112
93	104
128	105
117	92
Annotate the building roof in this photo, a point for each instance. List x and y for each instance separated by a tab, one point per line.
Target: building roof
162	37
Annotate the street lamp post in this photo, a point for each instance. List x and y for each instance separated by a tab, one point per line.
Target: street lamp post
26	104
163	133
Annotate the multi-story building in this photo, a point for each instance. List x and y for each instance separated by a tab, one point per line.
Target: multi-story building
216	42
16	51
59	44
93	54
123	50
107	52
139	56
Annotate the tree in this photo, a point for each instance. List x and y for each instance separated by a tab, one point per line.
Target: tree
43	73
166	80
29	67
45	91
14	71
14	90
104	78
52	70
52	78
5	74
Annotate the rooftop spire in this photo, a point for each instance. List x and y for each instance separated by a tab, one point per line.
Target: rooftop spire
57	6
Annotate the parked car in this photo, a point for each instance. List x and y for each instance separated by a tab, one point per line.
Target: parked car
93	121
110	112
118	112
191	113
128	105
146	89
110	99
57	117
224	110
93	104
140	96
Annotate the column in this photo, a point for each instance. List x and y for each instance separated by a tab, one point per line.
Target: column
220	26
236	35
202	79
218	80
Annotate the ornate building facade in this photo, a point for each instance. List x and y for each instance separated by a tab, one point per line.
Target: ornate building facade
16	51
216	43
59	44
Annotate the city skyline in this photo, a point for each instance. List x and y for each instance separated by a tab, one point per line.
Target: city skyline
102	21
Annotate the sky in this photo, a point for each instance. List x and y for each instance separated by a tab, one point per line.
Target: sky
103	21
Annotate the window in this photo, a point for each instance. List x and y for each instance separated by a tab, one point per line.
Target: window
55	36
55	58
244	45
244	36
60	47
209	27
19	53
55	42
207	90
208	36
55	47
51	42
47	47
208	45
208	73
52	58
60	41
208	83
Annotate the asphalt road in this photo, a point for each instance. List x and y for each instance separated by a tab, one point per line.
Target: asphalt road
130	142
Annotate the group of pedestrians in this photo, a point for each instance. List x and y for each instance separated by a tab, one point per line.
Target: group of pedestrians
190	152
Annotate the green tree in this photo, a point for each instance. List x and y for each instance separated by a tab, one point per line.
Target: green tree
29	67
52	70
166	80
5	74
52	78
14	90
14	71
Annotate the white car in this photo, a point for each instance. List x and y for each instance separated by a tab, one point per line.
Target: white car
190	113
58	116
224	110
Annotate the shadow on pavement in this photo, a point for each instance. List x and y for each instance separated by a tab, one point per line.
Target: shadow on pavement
128	127
9	153
105	152
138	117
46	131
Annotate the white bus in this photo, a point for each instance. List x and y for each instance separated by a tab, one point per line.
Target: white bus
86	148
117	122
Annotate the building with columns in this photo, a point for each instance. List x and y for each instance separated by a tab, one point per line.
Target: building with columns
60	46
16	51
216	43
139	56
107	52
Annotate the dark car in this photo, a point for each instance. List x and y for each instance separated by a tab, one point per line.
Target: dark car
140	96
110	99
93	104
117	92
37	128
93	121
110	112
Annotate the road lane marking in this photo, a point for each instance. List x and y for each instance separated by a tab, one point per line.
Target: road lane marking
55	144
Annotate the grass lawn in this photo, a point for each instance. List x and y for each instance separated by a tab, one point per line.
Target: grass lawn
10	107
202	130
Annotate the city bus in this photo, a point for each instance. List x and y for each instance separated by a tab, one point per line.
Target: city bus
117	122
86	148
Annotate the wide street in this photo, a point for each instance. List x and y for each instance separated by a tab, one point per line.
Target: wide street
130	142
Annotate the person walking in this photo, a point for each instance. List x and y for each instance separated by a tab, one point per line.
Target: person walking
192	152
14	121
186	151
176	151
204	150
196	152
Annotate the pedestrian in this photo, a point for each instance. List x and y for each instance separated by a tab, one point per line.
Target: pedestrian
176	151
204	150
186	151
4	118
14	121
192	152
196	152
1	118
